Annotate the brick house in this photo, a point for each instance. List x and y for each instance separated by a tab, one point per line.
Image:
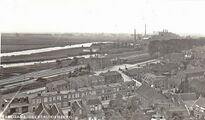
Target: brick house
104	92
148	96
112	77
75	82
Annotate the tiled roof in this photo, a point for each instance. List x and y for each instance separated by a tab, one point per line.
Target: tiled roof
149	93
75	106
55	110
187	96
93	101
58	82
40	108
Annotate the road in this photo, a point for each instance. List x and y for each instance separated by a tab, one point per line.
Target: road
127	78
53	72
129	66
37	74
123	66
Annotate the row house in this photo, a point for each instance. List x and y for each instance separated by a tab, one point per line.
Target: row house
57	85
103	92
158	81
75	83
18	105
48	112
89	108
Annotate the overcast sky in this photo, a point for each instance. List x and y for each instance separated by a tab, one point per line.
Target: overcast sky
113	16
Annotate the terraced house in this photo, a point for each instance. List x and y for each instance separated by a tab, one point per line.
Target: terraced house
64	99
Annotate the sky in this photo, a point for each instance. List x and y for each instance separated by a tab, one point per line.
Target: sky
102	16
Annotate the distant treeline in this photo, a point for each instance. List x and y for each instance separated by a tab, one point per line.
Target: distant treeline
158	47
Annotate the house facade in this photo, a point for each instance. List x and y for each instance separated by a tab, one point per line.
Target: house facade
64	99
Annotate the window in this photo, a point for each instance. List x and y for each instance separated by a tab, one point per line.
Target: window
65	96
117	89
33	101
96	107
103	98
69	103
114	89
69	113
91	108
69	96
114	95
50	99
73	95
33	109
76	95
65	104
45	99
103	91
80	111
99	107
54	98
82	94
38	101
94	92
58	97
95	118
59	105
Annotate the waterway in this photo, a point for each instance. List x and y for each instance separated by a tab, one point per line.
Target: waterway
41	50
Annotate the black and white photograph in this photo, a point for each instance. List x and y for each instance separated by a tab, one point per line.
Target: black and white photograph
102	60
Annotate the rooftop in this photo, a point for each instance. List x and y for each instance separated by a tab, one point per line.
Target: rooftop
58	82
93	101
149	93
200	102
187	96
110	73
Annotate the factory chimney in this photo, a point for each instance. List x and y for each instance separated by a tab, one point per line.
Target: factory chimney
135	35
145	31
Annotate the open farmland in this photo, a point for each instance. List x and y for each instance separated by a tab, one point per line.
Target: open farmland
11	42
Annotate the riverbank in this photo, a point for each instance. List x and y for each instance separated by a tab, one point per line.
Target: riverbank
12	42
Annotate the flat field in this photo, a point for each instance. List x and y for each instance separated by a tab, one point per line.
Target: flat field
11	42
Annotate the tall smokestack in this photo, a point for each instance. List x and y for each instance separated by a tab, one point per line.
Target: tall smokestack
145	30
135	35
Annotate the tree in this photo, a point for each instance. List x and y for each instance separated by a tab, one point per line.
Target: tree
154	47
74	61
59	63
133	104
116	116
118	104
88	67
